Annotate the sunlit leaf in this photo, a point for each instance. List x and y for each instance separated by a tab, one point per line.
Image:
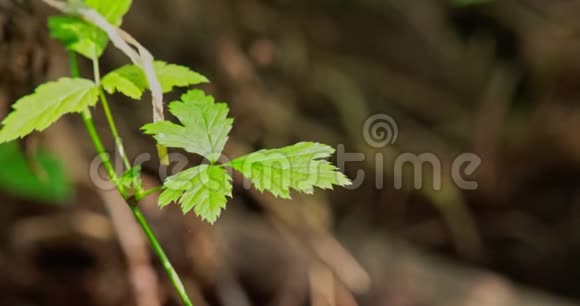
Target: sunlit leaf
301	167
204	126
46	105
203	189
131	81
78	35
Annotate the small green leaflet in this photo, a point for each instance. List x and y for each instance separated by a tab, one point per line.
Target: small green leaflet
300	167
202	188
112	10
204	130
130	177
42	178
131	81
78	35
46	105
83	37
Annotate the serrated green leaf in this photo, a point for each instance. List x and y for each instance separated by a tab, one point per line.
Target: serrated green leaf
43	178
112	10
132	82
204	126
78	35
83	37
46	105
300	167
171	75
202	188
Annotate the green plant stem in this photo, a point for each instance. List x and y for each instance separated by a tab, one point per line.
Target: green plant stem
90	126
109	116
149	192
131	202
173	276
103	155
73	65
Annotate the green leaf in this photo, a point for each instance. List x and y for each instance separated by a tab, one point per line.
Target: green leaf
112	10
298	166
46	105
202	188
78	35
204	128
83	37
43	178
131	81
176	76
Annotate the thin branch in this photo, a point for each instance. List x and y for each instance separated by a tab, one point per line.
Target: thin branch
131	201
126	44
133	243
111	121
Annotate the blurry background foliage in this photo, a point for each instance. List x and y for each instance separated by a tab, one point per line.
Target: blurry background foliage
40	177
496	78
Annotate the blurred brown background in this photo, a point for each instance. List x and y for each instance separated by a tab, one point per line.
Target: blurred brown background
498	78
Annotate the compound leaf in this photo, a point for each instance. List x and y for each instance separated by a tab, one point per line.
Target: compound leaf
83	37
300	166
46	105
204	126
131	81
202	188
